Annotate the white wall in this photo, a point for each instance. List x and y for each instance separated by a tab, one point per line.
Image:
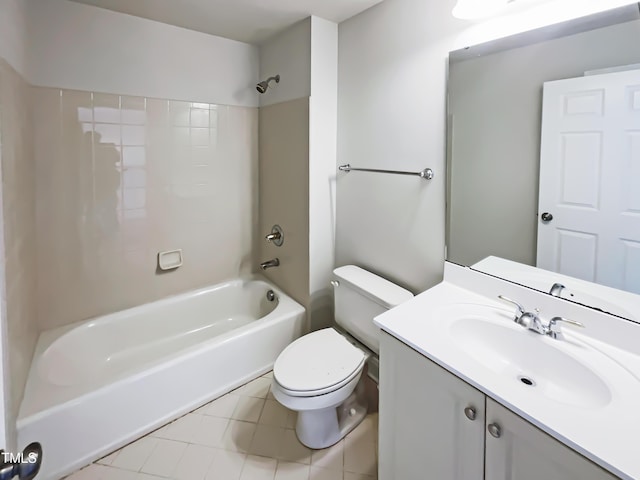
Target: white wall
81	47
391	115
13	24
289	55
322	168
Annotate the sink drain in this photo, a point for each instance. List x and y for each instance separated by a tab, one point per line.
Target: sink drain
527	381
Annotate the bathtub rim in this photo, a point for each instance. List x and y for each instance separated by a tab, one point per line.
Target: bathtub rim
46	338
52	334
73	444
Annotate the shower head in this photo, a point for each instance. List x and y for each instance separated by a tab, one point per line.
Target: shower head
262	86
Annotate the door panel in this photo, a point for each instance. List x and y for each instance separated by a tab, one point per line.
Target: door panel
589	177
581	163
577	253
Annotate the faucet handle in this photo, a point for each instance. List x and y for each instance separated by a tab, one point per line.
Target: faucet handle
520	309
276	236
553	330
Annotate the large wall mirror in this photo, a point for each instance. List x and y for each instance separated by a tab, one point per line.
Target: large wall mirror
544	160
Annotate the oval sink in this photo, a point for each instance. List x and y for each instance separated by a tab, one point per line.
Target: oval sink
531	360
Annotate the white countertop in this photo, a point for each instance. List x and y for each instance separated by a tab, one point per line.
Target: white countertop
611	300
607	430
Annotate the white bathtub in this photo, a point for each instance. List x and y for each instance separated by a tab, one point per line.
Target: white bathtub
97	385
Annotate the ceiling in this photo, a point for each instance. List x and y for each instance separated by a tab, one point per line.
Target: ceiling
251	21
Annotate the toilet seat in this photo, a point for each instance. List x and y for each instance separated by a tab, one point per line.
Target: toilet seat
318	363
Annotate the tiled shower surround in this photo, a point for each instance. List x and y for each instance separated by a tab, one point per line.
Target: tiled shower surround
17	230
121	178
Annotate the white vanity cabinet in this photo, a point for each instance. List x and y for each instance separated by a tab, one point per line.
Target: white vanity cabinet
524	452
434	425
424	432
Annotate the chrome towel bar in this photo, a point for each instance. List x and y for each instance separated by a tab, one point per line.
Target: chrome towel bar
427	173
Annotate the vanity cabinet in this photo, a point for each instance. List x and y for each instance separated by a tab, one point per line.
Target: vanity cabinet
522	451
424	432
434	425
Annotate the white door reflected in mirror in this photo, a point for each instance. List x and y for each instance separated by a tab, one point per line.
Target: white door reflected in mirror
589	171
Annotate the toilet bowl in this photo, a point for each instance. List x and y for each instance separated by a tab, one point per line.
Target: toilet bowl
319	375
314	384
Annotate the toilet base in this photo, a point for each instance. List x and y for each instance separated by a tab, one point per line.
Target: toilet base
318	429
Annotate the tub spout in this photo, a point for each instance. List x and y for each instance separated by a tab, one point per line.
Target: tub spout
270	263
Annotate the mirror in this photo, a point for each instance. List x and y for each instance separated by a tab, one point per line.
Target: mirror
495	127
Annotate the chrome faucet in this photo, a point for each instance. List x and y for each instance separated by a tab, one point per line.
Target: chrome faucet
553	331
270	263
556	289
276	236
273	236
531	320
523	318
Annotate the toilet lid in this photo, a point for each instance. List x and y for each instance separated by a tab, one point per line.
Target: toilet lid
317	361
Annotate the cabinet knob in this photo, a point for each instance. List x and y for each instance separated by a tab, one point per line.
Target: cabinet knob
470	412
494	430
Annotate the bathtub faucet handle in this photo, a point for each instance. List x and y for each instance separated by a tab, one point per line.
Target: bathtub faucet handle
276	236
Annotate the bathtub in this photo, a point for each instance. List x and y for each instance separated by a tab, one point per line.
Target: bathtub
96	385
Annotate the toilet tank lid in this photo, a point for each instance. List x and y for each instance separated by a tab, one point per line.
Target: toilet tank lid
382	291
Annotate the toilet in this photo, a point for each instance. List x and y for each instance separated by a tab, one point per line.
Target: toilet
319	375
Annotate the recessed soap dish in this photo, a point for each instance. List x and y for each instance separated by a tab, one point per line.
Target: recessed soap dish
170	259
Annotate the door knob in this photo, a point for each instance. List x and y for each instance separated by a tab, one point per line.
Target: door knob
546	217
24	465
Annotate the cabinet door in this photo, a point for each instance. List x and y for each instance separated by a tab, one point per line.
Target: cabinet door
424	432
523	452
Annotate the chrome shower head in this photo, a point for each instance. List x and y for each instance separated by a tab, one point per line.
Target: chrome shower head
262	86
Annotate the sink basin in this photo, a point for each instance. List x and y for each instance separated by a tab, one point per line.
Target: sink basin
531	361
583	387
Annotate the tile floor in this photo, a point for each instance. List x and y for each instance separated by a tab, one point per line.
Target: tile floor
243	435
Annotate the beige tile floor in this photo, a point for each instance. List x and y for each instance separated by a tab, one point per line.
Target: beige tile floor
243	435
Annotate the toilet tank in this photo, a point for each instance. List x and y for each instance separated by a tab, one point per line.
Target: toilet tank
360	296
